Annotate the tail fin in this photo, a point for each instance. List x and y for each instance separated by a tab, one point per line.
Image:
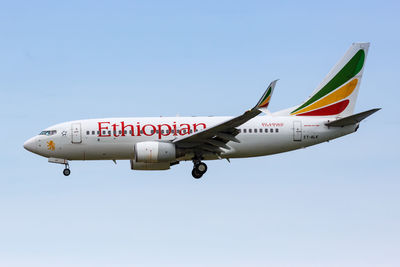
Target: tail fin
337	93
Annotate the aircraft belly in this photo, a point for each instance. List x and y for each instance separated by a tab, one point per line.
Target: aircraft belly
110	151
261	145
102	151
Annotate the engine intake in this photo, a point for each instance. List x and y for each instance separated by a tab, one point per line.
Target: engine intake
154	152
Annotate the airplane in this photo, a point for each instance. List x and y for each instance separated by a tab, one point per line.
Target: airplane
157	143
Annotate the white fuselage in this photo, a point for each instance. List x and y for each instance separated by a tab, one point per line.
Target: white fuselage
114	138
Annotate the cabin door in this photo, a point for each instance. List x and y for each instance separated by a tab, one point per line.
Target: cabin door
297	133
76	133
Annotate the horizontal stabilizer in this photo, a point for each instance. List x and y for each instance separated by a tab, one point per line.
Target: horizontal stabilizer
353	119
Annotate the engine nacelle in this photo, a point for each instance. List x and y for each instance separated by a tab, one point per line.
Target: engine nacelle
149	166
155	152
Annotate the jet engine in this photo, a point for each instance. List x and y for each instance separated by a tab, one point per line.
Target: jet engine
155	152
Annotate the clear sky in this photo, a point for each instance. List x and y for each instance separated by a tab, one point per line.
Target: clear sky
335	204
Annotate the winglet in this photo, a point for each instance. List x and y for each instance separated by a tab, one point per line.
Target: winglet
266	97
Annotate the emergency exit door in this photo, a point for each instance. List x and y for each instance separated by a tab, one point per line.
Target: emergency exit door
297	132
76	133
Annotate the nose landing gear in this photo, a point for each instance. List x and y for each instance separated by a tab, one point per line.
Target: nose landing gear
66	171
199	168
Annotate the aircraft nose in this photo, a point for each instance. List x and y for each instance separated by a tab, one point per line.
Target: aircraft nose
30	145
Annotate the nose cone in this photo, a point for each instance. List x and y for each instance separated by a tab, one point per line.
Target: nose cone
30	145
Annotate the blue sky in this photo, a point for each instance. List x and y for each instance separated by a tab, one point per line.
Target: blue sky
335	204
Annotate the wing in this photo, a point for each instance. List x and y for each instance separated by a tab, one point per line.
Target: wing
213	139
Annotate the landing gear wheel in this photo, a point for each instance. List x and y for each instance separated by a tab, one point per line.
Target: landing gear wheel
201	167
66	172
196	174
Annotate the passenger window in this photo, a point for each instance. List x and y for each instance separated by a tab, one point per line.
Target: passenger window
162	131
130	132
120	132
249	130
104	132
109	132
266	130
260	130
244	130
87	132
276	130
255	130
98	132
240	130
125	132
93	132
271	130
152	131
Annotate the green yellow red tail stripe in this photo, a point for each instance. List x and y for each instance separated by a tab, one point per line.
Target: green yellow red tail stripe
333	97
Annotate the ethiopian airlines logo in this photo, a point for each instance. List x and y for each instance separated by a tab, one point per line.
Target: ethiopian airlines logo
106	129
51	145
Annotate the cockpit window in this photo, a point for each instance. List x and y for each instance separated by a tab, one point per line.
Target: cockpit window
52	132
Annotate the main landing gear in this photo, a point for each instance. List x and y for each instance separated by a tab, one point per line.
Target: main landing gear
199	168
66	171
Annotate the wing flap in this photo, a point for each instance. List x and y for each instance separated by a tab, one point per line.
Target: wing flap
228	137
218	143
